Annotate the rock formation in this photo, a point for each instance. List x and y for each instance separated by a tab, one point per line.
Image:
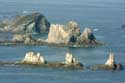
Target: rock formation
63	33
34	22
70	34
59	35
87	37
111	60
33	58
109	65
70	59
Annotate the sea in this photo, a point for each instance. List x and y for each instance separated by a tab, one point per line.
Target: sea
105	17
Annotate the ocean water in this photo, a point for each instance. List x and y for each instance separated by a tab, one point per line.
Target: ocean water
105	16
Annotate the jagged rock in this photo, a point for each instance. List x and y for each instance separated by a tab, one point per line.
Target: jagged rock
70	34
38	60
70	59
33	58
34	22
63	33
111	60
109	65
87	37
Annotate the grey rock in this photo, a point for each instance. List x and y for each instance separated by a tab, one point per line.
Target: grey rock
87	37
34	22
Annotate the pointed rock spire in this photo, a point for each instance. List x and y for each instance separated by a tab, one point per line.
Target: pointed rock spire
111	60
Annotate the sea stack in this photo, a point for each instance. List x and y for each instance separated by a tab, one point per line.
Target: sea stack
70	59
109	65
111	60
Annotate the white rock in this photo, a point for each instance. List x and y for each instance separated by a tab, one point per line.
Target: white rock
57	34
111	60
62	33
70	59
33	58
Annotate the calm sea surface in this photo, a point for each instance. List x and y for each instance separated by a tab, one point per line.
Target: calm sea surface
104	16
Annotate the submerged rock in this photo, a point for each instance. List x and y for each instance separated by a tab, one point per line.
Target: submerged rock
109	65
33	58
34	22
21	38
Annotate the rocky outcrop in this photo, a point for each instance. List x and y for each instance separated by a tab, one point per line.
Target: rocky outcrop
34	22
33	58
36	59
63	33
110	61
70	34
70	59
109	65
87	37
60	35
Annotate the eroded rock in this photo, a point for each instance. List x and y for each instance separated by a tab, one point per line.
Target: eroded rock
36	59
87	37
33	58
70	34
63	33
70	59
34	22
109	65
110	61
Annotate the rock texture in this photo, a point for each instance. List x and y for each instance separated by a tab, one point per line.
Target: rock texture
70	34
33	58
34	22
63	33
87	37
